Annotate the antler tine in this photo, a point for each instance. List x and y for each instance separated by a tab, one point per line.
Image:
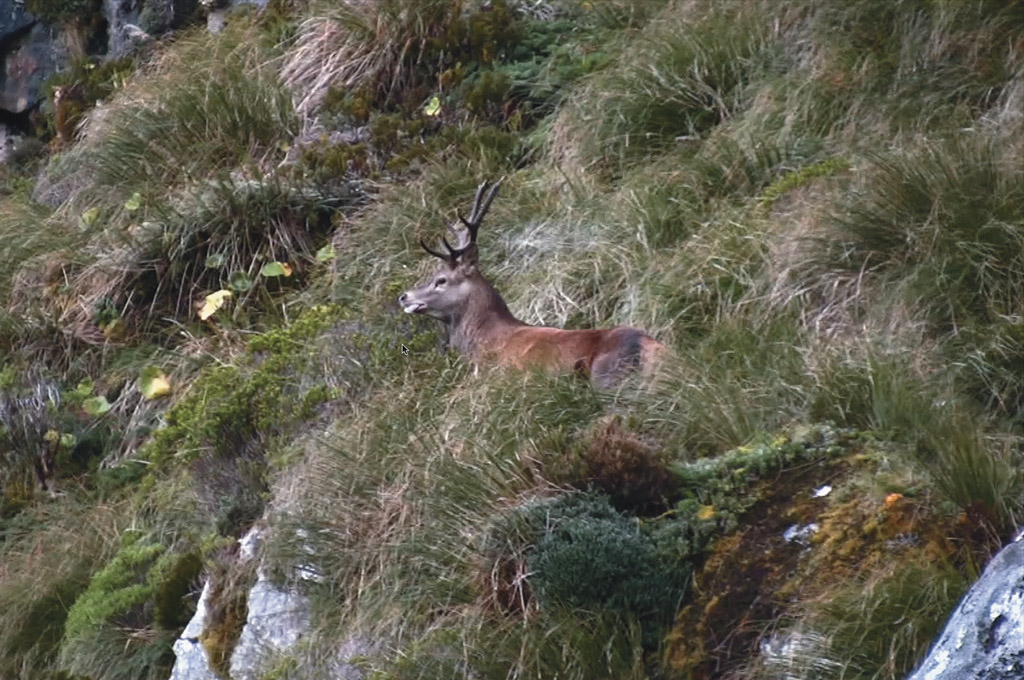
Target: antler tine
481	204
447	258
479	216
476	216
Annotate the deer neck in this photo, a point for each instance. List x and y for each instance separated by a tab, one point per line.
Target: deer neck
483	324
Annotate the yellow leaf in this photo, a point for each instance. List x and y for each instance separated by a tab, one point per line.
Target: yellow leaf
433	107
153	383
706	512
276	269
214	301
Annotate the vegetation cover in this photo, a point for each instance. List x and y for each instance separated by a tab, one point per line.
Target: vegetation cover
815	205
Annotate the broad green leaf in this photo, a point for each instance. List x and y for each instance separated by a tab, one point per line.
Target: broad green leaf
153	383
84	388
215	261
96	406
239	282
90	216
276	269
68	441
326	254
133	203
214	301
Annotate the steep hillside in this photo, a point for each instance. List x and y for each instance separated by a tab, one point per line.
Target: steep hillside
815	205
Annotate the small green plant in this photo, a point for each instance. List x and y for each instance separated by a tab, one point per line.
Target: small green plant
799	178
115	591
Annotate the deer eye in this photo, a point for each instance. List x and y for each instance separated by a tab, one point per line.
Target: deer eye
440	281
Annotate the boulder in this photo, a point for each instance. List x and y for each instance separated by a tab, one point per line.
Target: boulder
13	20
29	57
274	623
984	638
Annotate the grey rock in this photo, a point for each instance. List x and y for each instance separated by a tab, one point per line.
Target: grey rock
13	19
217	11
120	13
276	620
8	143
191	662
351	649
984	638
28	59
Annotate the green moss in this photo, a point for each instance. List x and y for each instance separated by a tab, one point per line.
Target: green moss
347	107
486	95
170	608
117	591
324	164
231	405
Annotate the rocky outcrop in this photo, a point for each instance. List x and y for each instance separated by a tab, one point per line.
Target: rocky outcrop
30	56
192	662
277	619
984	639
13	19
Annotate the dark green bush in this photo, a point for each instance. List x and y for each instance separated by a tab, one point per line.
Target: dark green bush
583	553
590	556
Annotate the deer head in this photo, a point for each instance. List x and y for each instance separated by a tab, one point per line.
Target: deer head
450	291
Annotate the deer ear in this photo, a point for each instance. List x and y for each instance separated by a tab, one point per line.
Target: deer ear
468	256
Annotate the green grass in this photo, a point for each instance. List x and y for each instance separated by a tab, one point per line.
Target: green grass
879	629
814	206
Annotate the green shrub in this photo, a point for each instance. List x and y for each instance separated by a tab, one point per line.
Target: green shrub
115	593
109	631
590	556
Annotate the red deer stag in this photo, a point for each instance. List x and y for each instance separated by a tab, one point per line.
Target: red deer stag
481	327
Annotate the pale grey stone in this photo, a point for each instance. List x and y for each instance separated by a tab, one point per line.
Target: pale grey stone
191	662
984	638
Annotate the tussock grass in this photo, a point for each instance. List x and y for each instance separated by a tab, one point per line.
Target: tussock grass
878	627
687	77
387	48
36	590
209	103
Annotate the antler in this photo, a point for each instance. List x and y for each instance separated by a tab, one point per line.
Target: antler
476	216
